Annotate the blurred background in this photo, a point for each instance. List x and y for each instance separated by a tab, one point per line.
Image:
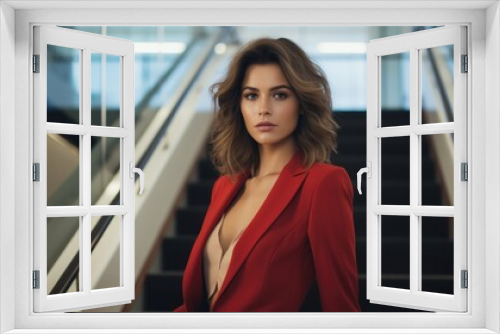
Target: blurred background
174	67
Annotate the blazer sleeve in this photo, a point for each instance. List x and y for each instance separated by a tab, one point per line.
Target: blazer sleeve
333	243
182	308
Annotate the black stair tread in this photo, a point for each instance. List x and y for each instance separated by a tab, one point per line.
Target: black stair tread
162	294
397	167
175	252
166	274
437	254
208	184
162	291
190	224
197	208
392	190
180	238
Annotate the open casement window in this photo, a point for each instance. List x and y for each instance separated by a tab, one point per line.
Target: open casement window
70	122
444	128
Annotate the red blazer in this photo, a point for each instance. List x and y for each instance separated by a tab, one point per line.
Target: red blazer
304	230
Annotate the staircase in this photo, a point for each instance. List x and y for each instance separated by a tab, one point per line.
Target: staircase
162	291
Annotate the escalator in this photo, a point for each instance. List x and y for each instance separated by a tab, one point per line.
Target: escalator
155	111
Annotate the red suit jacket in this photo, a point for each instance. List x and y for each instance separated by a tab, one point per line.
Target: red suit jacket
303	231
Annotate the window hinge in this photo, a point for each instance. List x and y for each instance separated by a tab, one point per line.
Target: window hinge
36	172
36	279
36	63
464	172
465	279
465	64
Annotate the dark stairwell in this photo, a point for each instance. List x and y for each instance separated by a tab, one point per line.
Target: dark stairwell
162	290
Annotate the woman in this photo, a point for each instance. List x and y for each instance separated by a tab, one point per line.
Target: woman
281	215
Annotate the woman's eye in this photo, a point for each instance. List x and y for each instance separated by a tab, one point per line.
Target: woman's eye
280	96
250	96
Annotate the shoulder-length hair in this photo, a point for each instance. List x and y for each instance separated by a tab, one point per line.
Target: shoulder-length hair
233	149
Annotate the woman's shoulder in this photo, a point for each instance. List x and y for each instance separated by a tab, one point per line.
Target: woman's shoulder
224	180
327	170
328	178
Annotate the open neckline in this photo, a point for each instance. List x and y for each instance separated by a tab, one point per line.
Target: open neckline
216	294
224	251
238	195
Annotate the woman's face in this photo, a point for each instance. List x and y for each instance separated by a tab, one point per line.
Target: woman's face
268	97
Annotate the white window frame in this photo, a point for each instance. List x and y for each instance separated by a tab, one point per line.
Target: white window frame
124	213
16	216
414	44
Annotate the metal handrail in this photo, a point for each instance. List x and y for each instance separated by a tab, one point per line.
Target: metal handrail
440	86
71	271
439	81
446	110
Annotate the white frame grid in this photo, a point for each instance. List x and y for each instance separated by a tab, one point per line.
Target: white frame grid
483	102
414	43
86	297
246	320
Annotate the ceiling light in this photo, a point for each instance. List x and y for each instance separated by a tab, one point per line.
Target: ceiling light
341	47
156	47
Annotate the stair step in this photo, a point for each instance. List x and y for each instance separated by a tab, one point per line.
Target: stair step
439	228
392	146
393	192
437	254
189	221
163	293
399	194
175	252
199	193
206	170
396	167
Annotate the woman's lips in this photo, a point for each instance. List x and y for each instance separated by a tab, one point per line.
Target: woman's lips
265	128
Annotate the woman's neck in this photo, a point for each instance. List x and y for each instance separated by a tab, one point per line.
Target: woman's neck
273	160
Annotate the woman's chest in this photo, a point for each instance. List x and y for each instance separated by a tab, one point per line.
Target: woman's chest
241	212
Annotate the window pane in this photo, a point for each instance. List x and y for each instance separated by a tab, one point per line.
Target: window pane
437	170
63	170
105	90
106	257
437	254
395	244
62	233
395	163
395	89
105	169
437	84
63	84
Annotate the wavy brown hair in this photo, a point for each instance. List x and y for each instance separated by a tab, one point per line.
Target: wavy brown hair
233	149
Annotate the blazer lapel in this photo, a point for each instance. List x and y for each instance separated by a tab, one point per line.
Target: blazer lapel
283	191
287	184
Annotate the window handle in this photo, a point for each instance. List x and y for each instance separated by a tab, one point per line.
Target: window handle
368	171
141	176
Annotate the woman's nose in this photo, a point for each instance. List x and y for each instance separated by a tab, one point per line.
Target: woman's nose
264	107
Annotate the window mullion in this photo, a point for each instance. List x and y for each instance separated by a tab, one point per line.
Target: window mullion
415	244
85	242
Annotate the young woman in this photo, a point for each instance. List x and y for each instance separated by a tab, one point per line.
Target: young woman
281	215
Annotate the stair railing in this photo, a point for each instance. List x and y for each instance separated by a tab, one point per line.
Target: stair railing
441	146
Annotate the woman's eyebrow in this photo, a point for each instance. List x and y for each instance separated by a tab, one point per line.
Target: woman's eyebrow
272	88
